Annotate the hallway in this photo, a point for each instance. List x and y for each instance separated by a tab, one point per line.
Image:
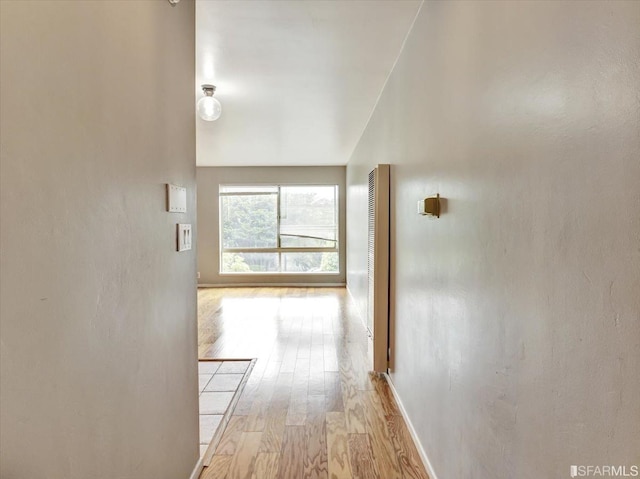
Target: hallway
309	409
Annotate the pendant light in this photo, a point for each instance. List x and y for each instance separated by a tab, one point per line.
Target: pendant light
208	108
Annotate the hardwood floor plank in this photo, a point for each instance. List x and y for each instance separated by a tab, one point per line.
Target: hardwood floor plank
316	383
384	395
360	360
406	451
353	408
289	358
262	397
291	461
330	354
379	436
242	465
337	446
315	460
290	354
276	414
266	466
251	389
300	390
273	431
257	417
361	458
304	345
218	469
282	394
333	392
316	366
231	436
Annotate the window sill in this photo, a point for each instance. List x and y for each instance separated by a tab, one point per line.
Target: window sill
275	273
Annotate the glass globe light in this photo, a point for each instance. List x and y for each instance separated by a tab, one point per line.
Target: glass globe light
208	108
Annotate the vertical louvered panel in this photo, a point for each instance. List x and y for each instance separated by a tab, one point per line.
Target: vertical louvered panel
371	249
378	266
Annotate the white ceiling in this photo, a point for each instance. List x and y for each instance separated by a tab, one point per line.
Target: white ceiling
297	79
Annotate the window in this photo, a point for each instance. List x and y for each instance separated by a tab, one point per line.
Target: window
279	229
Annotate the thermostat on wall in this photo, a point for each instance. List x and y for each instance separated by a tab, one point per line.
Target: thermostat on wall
176	199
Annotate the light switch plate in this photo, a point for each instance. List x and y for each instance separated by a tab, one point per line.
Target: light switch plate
176	199
184	237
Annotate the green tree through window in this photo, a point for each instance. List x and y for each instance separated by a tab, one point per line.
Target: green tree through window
303	240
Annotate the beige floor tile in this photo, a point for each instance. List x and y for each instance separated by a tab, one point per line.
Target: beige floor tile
215	402
208	425
208	367
203	380
233	367
224	382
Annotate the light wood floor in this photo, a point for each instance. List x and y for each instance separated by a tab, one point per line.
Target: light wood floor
310	408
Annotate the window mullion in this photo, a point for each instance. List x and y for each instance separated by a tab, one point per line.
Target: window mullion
278	240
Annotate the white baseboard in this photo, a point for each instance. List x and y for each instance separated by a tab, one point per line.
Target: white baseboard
362	317
198	468
272	285
412	431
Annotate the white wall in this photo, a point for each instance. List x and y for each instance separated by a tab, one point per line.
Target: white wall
209	180
517	339
98	311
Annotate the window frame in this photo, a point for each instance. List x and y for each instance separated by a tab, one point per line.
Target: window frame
278	249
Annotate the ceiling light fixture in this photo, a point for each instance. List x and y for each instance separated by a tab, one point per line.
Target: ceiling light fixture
209	108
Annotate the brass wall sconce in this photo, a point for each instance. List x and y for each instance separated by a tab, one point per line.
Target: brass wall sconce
430	206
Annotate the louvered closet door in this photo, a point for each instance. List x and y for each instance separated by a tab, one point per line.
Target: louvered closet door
378	266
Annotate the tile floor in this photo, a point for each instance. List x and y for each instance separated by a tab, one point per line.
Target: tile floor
218	381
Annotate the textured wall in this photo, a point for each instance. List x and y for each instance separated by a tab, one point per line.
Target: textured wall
517	338
99	344
209	181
